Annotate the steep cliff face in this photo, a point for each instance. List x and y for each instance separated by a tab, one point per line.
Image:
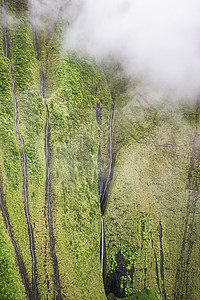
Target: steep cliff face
57	165
152	213
48	163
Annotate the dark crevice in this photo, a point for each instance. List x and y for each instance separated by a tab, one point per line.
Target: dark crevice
48	204
57	292
42	92
110	163
30	230
113	282
162	261
156	265
104	177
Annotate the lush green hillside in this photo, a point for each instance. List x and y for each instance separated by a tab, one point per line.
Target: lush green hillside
54	152
73	88
152	205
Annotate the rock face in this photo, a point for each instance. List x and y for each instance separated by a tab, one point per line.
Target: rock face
55	158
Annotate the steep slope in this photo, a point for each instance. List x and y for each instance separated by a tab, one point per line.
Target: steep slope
72	88
152	213
78	146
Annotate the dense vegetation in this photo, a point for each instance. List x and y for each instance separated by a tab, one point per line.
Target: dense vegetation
151	217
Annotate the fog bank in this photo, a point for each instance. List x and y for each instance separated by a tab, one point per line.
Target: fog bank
151	38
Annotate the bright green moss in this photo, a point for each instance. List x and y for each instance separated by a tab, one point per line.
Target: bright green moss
147	294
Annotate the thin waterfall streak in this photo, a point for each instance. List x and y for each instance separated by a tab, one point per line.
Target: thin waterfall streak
4	26
47	193
47	135
21	265
30	230
161	260
110	154
42	82
102	244
106	185
51	236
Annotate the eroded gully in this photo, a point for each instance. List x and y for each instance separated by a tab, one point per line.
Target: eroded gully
48	212
30	230
103	186
162	261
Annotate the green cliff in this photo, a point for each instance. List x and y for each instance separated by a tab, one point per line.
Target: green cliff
54	152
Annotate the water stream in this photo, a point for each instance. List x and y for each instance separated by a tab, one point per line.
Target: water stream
161	261
110	157
104	192
51	236
47	155
30	230
102	244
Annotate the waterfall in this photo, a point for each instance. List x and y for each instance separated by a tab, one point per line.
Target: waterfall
103	194
102	244
47	194
30	230
110	156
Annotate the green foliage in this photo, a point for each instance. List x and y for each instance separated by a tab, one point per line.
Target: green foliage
5	80
126	285
147	294
32	120
17	7
74	147
151	145
7	134
129	254
22	56
80	85
11	286
31	123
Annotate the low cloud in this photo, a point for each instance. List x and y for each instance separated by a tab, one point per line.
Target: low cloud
155	39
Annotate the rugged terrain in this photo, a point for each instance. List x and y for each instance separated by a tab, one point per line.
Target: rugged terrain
80	141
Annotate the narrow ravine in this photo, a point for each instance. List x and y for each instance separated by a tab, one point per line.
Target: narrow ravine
30	230
22	268
51	236
161	261
48	208
156	265
102	198
102	244
45	205
103	192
